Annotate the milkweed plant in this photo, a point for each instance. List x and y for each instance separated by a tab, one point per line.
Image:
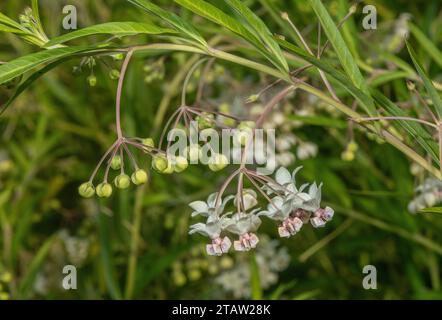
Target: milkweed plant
232	214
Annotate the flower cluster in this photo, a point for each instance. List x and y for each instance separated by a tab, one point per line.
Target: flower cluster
290	206
428	194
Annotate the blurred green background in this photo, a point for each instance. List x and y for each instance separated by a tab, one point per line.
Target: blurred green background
135	244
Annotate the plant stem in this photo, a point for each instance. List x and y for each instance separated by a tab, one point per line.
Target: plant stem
119	90
135	239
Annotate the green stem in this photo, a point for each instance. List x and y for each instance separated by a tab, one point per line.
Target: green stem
134	241
316	92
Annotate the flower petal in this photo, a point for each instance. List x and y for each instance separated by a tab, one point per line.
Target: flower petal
283	176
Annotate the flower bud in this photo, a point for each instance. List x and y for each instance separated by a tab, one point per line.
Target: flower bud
92	80
180	164
114	74
122	181
218	162
347	155
139	177
116	162
352	146
148	142
205	120
160	163
86	190
104	190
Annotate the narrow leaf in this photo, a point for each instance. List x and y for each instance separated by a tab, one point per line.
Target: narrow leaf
427	44
19	66
115	28
260	28
432	92
172	19
339	45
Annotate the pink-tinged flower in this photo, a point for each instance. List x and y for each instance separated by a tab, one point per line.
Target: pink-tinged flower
290	227
246	242
218	246
302	214
321	217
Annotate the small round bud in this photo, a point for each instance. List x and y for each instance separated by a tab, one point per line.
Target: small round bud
242	136
122	181
160	163
139	177
92	80
410	85
114	74
353	8
252	98
348	155
218	162
148	142
352	146
104	190
116	162
86	190
180	164
205	120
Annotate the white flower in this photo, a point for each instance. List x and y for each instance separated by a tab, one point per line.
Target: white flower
306	150
207	209
243	224
249	199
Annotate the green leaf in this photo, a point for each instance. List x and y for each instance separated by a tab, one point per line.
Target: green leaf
19	66
432	92
171	18
339	45
34	267
259	27
427	44
115	28
255	281
25	84
9	22
413	128
431	210
364	99
217	16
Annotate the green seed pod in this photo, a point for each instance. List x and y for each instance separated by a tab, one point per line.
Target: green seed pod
116	162
139	177
114	74
160	163
92	80
104	190
180	164
148	142
218	162
86	190
122	181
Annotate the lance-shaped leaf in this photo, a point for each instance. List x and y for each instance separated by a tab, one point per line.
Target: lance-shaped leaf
114	28
19	66
214	14
432	92
260	28
365	100
172	19
415	129
339	45
427	44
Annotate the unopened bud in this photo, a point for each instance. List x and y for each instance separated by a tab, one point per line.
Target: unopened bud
122	181
116	162
104	190
86	190
139	177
